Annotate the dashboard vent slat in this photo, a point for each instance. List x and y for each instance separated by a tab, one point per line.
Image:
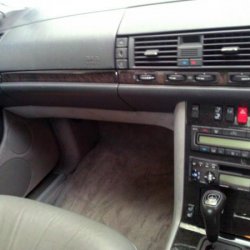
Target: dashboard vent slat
166	46
154	42
215	43
161	46
229	37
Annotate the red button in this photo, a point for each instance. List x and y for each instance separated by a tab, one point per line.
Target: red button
193	62
242	115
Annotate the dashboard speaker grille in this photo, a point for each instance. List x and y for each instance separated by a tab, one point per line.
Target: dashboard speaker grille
155	51
227	48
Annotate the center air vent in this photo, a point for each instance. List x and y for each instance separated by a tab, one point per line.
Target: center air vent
227	48
155	51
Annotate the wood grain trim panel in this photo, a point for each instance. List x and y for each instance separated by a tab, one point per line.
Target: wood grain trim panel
131	77
122	77
61	76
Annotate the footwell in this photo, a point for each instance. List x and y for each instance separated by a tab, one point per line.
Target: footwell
126	182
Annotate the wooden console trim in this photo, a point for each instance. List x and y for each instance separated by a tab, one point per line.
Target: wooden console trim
61	76
131	77
121	77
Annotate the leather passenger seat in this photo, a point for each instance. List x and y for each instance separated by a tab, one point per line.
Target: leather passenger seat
28	225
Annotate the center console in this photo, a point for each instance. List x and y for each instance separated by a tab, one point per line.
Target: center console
217	160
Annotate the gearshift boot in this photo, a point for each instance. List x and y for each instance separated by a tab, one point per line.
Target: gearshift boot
212	205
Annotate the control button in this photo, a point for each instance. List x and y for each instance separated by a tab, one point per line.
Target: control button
121	53
146	77
205	78
221	151
214	165
217	131
245	154
195	62
195	174
213	150
234	153
209	177
207	165
122	42
194	163
230	114
242	115
231	132
190	210
195	113
240	78
183	62
122	63
218	111
195	129
176	78
240	133
205	130
189	215
201	164
204	149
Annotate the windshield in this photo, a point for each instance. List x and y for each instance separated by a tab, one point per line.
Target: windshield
87	4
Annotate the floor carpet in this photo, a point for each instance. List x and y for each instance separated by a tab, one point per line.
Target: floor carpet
126	182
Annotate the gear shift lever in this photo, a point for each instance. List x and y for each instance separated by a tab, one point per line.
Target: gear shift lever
212	205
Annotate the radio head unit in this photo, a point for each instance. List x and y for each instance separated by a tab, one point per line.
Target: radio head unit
230	142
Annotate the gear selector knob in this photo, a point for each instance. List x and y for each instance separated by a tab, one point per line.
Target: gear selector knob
212	205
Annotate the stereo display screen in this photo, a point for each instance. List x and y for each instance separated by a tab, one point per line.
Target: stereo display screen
223	142
235	181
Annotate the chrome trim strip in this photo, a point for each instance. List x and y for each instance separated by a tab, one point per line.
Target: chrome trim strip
241	242
192	228
241	217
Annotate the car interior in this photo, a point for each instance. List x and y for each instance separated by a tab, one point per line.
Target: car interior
125	125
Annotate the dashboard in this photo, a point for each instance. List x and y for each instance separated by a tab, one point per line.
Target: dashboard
148	56
142	61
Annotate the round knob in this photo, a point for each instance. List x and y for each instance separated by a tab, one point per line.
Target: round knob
210	177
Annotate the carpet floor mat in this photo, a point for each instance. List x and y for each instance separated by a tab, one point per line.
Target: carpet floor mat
126	182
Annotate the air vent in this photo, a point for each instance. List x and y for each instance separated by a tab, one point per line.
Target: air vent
155	51
227	48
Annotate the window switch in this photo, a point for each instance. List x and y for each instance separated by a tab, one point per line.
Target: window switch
218	112
195	113
230	114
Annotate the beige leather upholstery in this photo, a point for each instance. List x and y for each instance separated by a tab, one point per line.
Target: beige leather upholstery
28	225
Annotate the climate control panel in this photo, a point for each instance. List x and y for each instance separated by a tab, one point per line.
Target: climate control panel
208	172
203	171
